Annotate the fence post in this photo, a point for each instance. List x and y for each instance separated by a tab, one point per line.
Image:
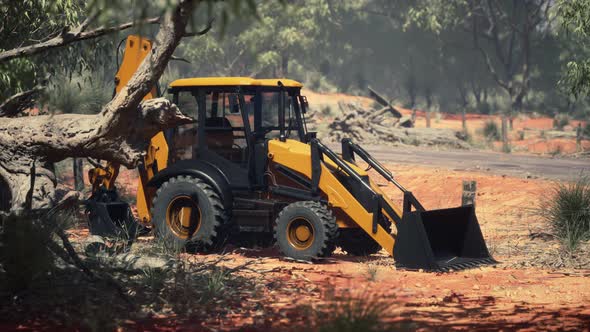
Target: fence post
505	146
579	138
468	196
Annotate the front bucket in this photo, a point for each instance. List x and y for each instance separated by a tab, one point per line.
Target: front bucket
440	240
111	219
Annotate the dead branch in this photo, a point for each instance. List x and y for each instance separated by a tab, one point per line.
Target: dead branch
20	102
201	32
67	37
119	133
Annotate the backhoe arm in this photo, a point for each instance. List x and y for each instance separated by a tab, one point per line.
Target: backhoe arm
136	50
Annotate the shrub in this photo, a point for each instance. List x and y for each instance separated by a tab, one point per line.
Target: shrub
560	121
355	313
557	151
491	131
24	254
568	212
484	108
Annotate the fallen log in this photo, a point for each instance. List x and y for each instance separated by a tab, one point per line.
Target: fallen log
381	100
120	132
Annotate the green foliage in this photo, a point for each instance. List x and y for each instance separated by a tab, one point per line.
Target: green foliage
411	50
557	151
372	271
84	94
560	121
576	79
567	211
574	17
24	254
25	22
491	131
350	313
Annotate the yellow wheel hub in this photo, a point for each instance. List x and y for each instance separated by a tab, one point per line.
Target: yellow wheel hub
183	216
300	233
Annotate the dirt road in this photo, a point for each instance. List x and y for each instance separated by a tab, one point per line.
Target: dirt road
519	165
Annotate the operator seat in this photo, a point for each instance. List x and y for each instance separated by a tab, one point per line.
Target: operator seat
220	138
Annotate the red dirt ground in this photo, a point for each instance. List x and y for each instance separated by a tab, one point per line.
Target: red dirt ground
486	298
517	293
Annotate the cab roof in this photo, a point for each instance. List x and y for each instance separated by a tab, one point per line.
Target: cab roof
234	81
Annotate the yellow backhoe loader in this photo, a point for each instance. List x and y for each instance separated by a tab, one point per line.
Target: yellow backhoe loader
249	163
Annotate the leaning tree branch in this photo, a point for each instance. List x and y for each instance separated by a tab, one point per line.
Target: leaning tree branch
20	101
486	57
82	27
201	32
119	133
67	37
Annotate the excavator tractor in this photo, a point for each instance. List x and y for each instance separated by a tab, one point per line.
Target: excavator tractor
249	163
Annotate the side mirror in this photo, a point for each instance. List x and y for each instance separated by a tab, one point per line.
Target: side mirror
304	101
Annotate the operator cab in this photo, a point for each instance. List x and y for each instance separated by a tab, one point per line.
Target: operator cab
235	116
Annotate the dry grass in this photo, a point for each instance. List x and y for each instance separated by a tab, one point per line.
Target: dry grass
567	212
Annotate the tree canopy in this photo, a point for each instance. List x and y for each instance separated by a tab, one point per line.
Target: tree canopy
487	56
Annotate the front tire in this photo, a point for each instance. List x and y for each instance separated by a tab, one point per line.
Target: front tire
188	212
356	242
306	230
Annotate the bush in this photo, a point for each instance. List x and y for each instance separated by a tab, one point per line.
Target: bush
491	131
568	212
484	108
24	254
355	313
560	121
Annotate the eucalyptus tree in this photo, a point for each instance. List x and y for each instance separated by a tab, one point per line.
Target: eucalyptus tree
29	145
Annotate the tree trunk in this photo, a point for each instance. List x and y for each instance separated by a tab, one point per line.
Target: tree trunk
78	174
284	65
428	108
119	133
464	118
579	147
505	143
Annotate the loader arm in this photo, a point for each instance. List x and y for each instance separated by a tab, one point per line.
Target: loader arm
298	157
439	240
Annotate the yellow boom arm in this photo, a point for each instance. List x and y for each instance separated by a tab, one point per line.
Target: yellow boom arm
136	50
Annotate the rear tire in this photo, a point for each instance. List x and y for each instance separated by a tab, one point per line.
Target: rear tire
306	230
356	242
174	217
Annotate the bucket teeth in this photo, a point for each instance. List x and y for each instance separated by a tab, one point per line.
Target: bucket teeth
457	266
